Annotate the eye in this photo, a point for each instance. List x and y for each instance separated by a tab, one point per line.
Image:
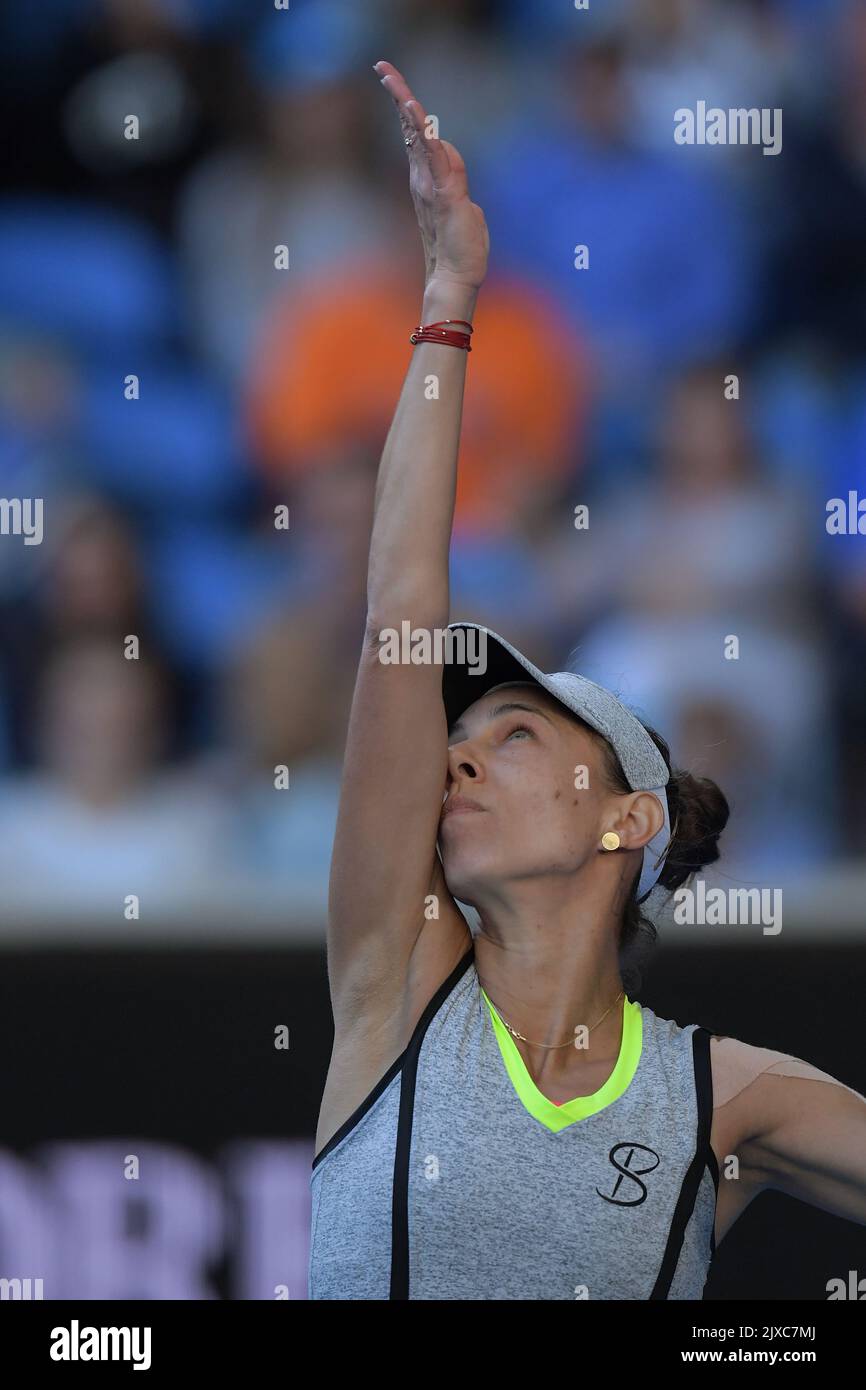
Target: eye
519	729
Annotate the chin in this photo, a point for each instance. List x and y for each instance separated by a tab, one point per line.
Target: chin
466	874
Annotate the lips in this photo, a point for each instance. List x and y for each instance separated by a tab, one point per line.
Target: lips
457	804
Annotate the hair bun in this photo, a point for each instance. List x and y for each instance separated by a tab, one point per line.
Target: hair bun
699	812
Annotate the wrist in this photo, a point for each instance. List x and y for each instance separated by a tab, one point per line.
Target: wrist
446	299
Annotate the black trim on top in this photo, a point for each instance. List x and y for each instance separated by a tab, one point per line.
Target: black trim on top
400	1192
713	1165
704	1157
366	1104
358	1114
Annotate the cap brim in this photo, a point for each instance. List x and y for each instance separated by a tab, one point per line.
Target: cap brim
464	682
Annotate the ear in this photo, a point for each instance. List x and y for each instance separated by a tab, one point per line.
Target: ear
642	820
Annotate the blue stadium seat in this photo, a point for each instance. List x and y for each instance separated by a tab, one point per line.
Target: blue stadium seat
178	445
99	280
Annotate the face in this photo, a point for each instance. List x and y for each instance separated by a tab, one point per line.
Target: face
515	754
704	445
101	719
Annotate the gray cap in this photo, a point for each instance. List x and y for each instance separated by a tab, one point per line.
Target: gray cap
479	660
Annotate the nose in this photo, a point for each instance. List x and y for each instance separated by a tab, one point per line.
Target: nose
463	761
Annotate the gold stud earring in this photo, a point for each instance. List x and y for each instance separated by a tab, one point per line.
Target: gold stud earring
610	840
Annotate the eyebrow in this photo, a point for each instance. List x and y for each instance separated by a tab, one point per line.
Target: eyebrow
506	709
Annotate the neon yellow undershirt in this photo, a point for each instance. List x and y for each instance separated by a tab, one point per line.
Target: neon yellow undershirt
557	1117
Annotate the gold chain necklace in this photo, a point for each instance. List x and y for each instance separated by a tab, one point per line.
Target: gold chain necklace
570	1041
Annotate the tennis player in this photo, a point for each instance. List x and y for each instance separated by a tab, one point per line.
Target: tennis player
501	1119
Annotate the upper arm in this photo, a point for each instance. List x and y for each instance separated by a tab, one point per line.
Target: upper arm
798	1129
384	865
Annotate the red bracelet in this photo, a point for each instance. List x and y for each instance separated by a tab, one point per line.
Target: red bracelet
438	333
440	323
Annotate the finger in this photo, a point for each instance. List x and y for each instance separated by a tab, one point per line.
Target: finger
398	89
437	156
419	163
455	158
394	83
458	168
395	80
399	93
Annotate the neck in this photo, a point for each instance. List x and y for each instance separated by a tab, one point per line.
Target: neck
548	973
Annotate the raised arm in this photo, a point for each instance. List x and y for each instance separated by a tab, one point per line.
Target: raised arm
384	859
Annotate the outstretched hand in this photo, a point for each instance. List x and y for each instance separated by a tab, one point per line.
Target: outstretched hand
453	229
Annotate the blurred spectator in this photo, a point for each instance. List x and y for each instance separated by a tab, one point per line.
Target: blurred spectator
817	255
725	54
92	586
524	407
711	538
758	725
306	182
437	47
669	276
285	708
102	818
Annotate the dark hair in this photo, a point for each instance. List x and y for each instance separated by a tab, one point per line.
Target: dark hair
698	813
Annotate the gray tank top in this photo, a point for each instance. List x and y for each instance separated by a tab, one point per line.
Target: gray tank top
443	1185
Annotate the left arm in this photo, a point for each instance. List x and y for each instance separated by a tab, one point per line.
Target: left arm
806	1135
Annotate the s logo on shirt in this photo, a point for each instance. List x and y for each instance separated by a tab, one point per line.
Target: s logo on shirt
630	1169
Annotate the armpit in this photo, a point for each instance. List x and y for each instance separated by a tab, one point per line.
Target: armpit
737	1064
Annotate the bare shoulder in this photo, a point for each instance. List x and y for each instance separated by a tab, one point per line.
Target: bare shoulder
371	1035
734	1066
744	1076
